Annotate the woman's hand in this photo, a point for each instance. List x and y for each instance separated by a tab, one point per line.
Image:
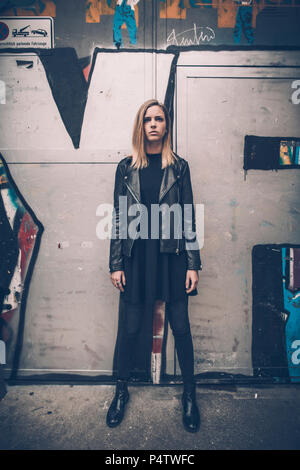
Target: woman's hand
118	279
191	278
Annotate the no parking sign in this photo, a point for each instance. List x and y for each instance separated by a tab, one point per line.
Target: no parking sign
4	31
22	31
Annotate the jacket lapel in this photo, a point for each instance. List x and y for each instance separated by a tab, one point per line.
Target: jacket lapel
132	180
168	179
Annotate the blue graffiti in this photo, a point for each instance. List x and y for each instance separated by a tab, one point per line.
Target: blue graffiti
243	22
292	328
297	155
124	13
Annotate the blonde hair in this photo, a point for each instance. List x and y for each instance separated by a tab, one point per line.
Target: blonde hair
139	157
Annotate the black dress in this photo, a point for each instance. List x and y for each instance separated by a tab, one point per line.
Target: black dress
151	275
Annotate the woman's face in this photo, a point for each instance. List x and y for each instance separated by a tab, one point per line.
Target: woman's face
154	124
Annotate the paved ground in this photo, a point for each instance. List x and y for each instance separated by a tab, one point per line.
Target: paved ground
73	417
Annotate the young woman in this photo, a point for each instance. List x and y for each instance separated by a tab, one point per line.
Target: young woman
158	263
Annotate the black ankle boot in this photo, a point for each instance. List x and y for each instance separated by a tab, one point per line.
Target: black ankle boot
190	415
116	410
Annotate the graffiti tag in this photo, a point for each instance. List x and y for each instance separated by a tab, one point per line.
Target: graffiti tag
191	37
296	94
2	352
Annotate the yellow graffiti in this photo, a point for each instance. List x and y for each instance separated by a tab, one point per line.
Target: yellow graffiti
171	9
286	153
44	8
3	180
96	8
227	14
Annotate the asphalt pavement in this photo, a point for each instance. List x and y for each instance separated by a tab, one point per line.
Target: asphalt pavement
69	417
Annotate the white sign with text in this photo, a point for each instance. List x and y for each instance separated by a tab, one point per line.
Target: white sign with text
26	31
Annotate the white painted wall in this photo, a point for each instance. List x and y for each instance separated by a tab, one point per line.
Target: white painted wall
71	316
220	98
72	307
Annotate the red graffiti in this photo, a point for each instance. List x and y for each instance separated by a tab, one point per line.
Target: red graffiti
86	72
158	328
27	236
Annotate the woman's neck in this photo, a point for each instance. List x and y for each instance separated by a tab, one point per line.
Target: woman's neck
154	147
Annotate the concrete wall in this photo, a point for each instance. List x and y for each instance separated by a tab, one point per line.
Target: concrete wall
70	321
61	139
220	98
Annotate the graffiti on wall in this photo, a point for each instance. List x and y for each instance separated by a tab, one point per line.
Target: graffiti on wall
159	330
19	241
124	14
59	64
291	302
289	152
243	22
95	9
275	334
239	15
28	8
276	310
191	37
271	153
121	20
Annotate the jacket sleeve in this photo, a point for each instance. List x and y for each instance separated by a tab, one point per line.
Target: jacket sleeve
115	255
189	223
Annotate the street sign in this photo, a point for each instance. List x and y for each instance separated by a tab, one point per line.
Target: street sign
26	31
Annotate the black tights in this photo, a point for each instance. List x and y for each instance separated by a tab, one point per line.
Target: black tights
180	325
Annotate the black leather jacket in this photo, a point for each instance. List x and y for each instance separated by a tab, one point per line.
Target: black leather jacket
175	188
